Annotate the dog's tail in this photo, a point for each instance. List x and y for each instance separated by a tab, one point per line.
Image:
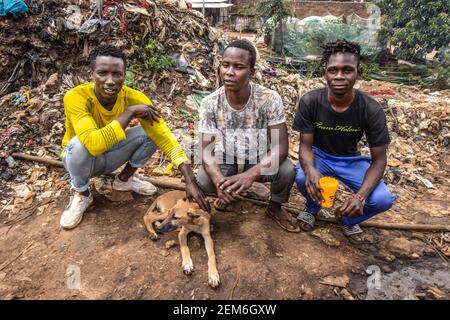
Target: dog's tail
152	206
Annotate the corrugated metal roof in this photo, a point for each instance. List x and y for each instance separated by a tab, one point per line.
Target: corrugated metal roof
199	5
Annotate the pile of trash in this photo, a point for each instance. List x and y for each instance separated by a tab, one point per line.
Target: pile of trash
44	53
58	36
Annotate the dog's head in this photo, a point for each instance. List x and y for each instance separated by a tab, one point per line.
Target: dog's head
183	213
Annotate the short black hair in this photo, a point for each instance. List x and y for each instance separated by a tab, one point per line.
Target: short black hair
340	46
247	46
106	50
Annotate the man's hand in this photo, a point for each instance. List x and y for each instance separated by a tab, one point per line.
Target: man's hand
224	196
146	111
313	186
352	207
236	184
193	192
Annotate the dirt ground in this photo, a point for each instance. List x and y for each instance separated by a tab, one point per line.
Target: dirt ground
256	259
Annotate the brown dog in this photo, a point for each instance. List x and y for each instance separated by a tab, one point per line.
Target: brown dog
176	211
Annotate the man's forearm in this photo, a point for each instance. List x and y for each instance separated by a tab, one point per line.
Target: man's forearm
274	155
279	149
372	177
208	157
213	171
125	117
187	173
306	158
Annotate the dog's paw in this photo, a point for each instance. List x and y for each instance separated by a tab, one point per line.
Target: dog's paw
213	280
154	236
188	267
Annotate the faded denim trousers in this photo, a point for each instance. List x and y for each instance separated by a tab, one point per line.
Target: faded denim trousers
136	149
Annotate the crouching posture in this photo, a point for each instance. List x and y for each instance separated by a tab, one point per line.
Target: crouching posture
97	140
331	122
244	137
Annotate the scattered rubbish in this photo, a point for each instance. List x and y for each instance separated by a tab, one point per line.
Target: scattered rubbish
381	92
170	244
11	162
336	281
12	7
325	235
426	182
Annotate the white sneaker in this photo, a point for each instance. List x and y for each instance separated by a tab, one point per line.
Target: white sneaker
73	214
134	184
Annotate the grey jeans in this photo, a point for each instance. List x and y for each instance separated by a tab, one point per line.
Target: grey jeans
280	188
136	149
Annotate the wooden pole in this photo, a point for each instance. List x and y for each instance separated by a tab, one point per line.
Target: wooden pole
28	157
180	186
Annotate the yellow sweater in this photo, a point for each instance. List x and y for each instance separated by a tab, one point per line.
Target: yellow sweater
98	130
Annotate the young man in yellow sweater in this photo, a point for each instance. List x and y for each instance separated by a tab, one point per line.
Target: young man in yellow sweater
97	140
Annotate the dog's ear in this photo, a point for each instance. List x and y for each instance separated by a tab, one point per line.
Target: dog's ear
193	214
181	201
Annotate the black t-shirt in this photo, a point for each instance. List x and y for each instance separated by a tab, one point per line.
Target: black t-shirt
338	133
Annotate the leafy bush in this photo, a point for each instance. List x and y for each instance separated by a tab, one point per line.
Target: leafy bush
443	71
152	55
130	80
414	28
368	69
440	71
314	69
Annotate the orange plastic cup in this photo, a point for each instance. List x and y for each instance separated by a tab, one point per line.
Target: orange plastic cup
329	187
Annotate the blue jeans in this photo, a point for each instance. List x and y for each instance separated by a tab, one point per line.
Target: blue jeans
137	149
350	171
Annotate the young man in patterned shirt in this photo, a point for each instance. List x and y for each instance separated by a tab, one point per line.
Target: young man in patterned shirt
244	137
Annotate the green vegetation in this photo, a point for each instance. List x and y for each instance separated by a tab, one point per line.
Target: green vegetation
414	27
151	55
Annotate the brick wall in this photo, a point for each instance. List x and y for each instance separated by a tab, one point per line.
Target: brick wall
303	9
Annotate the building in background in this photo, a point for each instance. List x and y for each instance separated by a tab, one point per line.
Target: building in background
241	15
217	12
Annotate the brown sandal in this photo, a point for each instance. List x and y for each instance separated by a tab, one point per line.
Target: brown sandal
280	222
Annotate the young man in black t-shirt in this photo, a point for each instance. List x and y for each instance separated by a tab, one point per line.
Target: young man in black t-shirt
331	122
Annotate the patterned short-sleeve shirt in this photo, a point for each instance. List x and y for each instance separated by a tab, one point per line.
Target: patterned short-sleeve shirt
241	133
